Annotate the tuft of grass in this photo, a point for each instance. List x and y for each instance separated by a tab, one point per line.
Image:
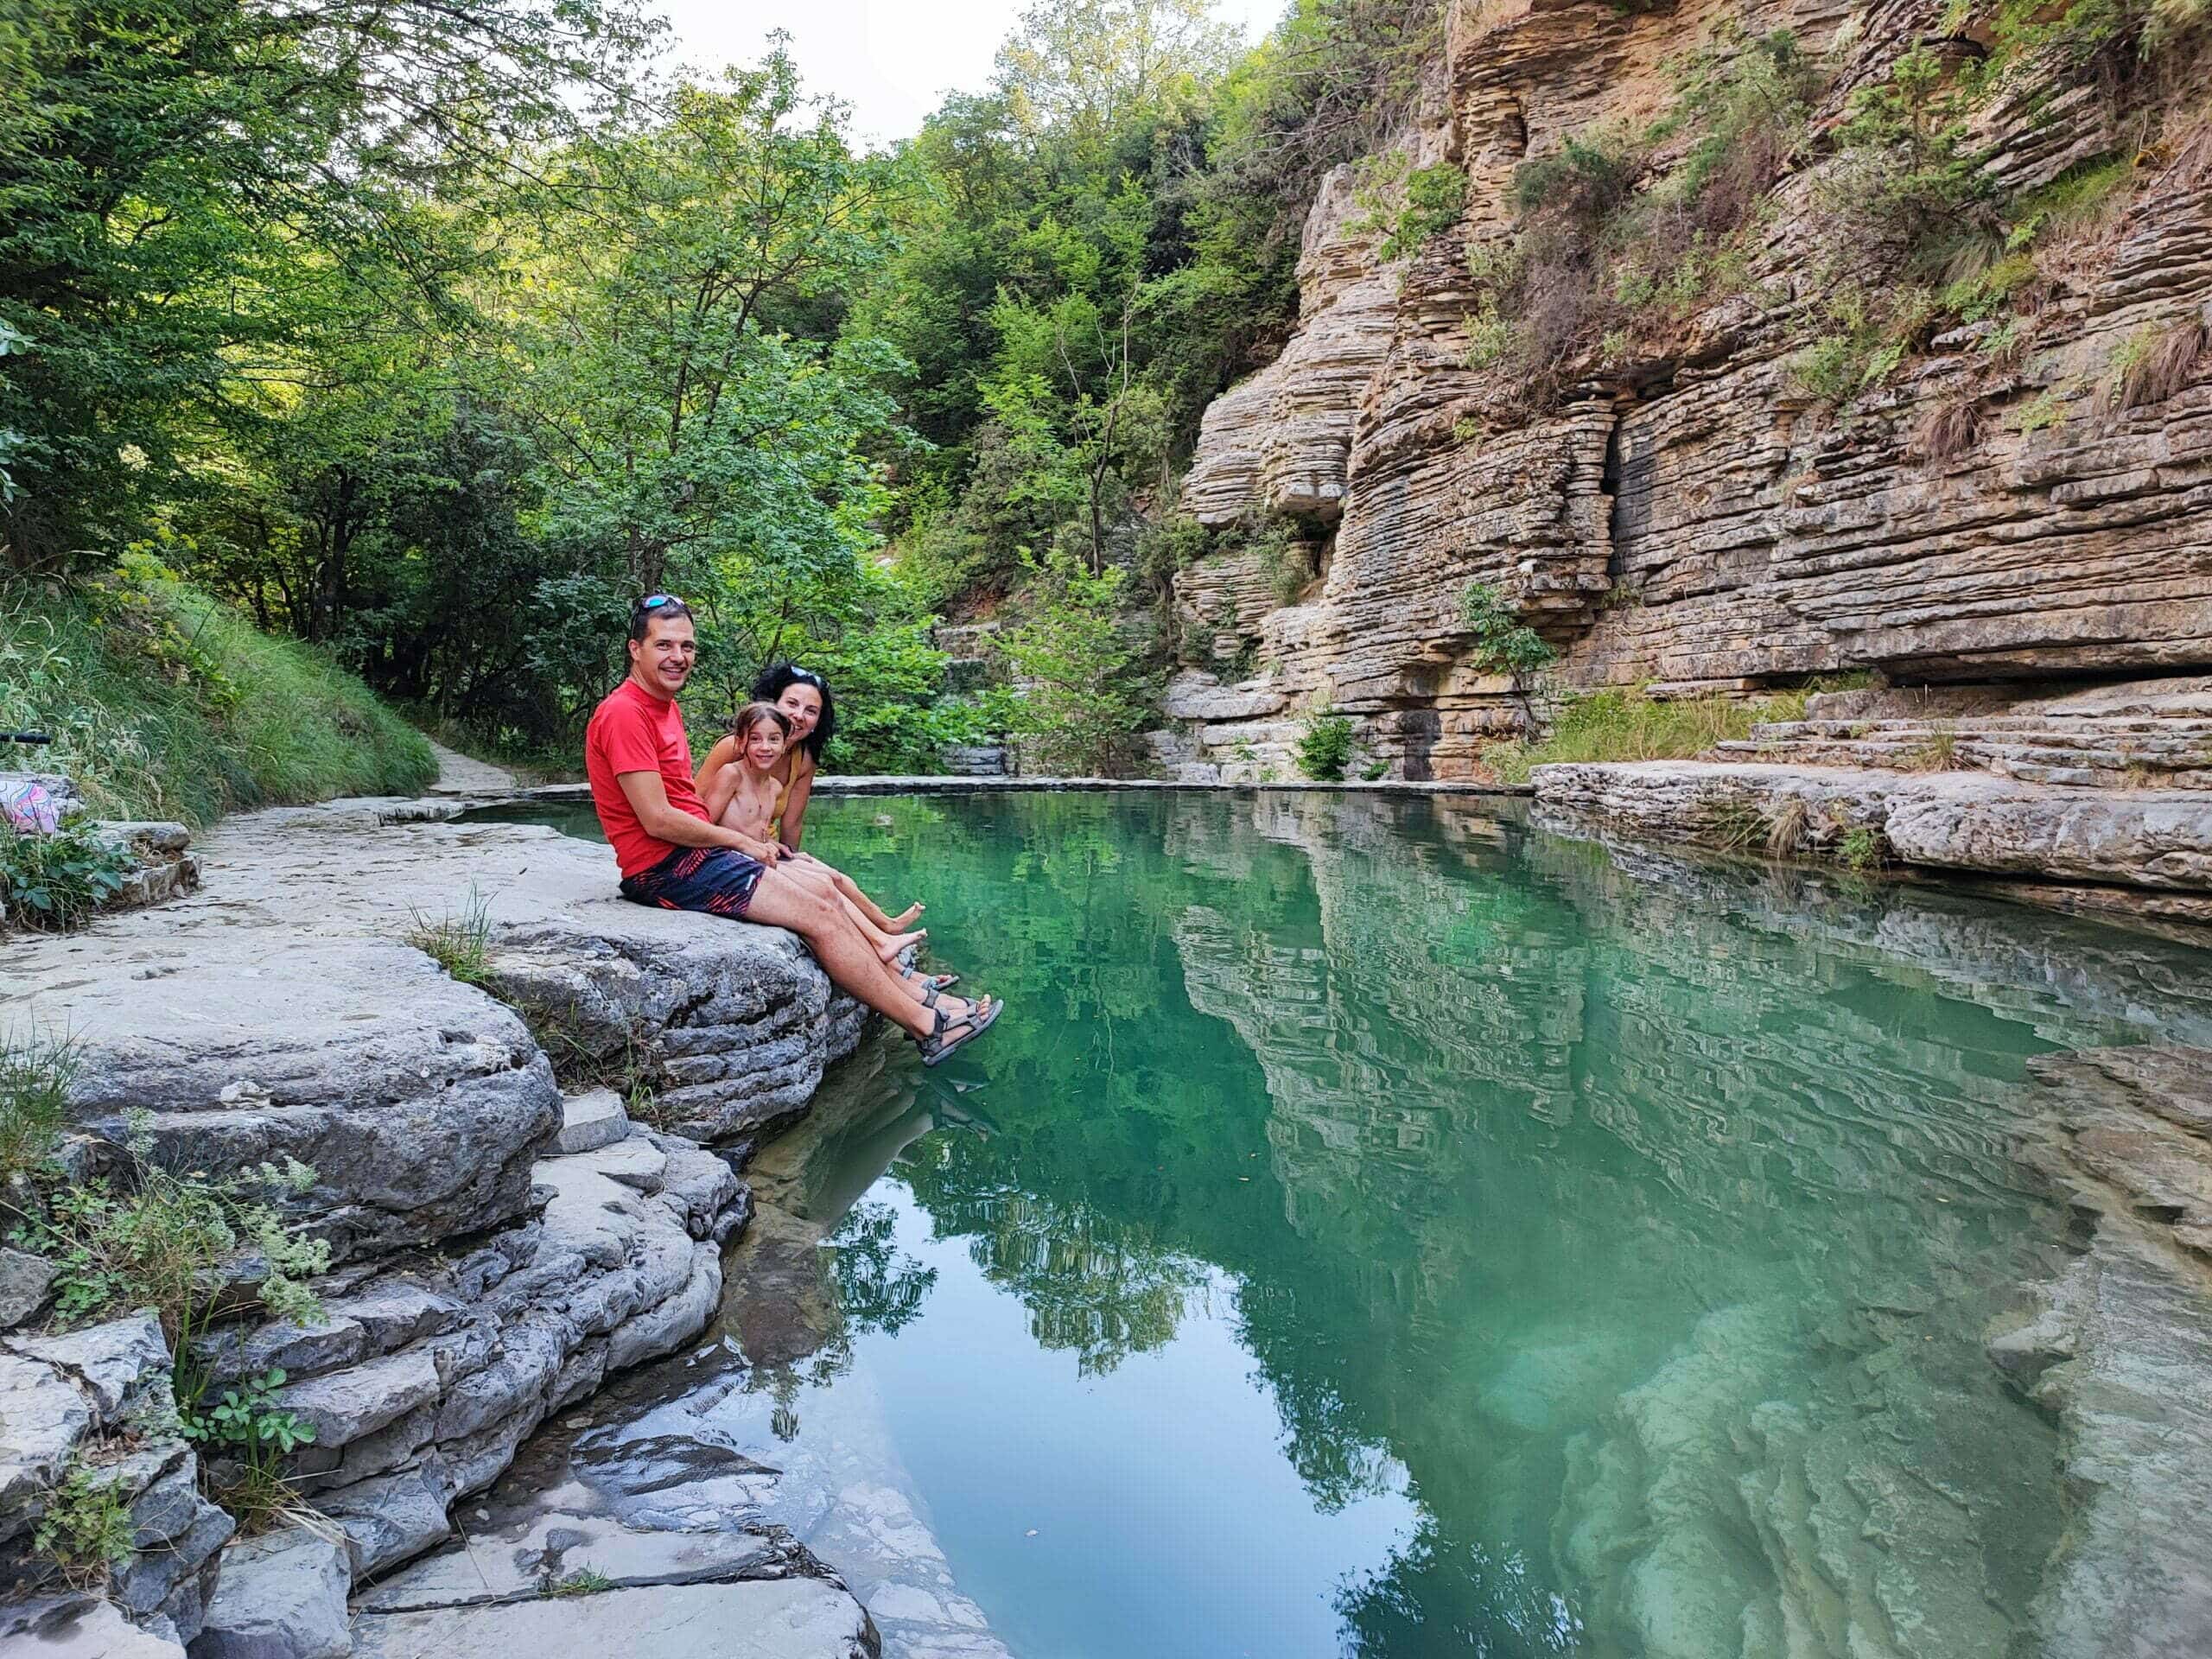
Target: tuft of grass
2152	364
584	1581
163	703
36	1072
462	945
1950	428
1785	831
1619	725
1938	752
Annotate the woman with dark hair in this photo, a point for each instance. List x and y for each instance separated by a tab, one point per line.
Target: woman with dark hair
803	698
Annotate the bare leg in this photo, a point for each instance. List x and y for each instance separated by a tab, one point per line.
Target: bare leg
843	949
887	945
876	915
817	877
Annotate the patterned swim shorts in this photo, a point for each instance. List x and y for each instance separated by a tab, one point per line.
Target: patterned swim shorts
716	879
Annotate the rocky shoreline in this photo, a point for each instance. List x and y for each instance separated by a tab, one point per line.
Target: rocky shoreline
499	1247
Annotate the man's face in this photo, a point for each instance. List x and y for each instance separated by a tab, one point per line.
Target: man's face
662	661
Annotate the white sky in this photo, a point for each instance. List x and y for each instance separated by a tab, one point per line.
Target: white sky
893	60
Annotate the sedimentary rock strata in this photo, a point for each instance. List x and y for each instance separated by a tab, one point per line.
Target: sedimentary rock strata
1693	518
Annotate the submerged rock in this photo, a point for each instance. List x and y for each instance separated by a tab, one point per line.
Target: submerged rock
772	1619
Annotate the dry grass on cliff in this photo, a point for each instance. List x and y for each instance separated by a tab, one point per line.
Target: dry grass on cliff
1621	725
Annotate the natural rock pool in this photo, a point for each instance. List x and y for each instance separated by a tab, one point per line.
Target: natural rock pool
1378	1227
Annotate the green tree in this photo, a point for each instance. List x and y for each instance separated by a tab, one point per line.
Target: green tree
1078	703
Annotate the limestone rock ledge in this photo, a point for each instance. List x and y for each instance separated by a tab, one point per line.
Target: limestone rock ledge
2126	841
427	1373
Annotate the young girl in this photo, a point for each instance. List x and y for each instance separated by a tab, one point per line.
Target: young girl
744	793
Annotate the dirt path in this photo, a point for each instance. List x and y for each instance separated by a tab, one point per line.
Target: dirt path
459	775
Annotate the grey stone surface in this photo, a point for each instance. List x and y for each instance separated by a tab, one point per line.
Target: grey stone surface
26	1281
97	1397
590	1120
280	1596
772	1619
419	1102
2155	840
515	1560
75	1626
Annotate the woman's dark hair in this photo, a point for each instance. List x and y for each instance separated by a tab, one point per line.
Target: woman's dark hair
774	682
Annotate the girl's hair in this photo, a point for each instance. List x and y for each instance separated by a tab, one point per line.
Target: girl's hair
752	714
774	682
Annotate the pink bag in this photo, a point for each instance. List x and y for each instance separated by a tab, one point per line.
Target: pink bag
28	809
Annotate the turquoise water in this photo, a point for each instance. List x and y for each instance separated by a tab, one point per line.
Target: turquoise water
1378	1227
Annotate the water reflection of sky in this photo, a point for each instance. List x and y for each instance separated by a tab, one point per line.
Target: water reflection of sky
1150	1510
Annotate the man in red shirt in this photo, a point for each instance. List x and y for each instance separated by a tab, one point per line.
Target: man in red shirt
671	854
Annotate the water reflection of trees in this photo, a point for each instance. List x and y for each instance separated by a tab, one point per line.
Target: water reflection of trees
1101	1289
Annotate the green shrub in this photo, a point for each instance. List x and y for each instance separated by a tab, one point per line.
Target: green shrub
165	704
164	1241
1408	207
1860	850
1324	746
56	883
36	1073
1503	643
86	1528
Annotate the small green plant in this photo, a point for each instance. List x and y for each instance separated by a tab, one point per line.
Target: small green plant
1324	746
163	1242
1376	771
54	883
36	1072
2041	413
1503	643
86	1528
1407	205
462	945
584	1581
1859	849
247	1428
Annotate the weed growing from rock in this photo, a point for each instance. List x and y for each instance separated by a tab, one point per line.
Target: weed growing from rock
584	1581
252	1437
86	1528
36	1072
1859	849
460	945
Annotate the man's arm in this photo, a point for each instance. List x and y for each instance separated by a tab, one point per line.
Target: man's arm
648	798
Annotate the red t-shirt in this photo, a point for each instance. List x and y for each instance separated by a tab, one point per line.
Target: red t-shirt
632	730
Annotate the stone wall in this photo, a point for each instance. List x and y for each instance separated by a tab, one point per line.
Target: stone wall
1693	521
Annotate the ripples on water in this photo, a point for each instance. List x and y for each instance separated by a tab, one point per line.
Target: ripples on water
1377	1228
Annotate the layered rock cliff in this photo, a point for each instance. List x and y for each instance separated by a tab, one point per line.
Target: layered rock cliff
1998	491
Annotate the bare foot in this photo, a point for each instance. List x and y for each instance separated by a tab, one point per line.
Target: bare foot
907	917
890	947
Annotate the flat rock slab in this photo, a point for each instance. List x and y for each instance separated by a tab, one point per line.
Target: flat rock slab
512	1562
2159	840
775	1619
419	1102
591	1120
